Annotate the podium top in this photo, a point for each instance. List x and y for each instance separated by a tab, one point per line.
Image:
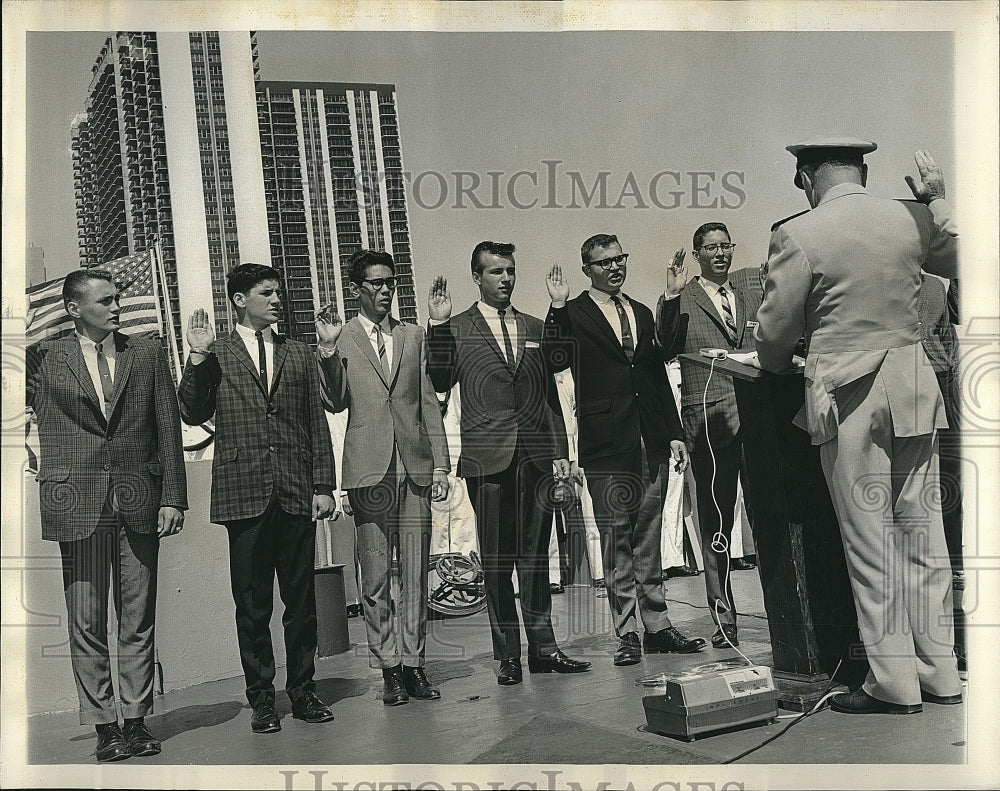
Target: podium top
733	368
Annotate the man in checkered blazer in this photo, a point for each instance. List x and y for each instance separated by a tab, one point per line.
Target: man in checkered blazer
711	312
272	478
111	484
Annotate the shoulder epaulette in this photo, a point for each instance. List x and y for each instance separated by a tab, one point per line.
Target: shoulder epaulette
779	223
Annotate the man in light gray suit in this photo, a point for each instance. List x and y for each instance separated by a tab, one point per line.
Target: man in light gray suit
846	275
395	462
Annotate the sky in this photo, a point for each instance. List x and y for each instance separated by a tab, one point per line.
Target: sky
710	112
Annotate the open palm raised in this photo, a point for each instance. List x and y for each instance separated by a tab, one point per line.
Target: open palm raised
200	333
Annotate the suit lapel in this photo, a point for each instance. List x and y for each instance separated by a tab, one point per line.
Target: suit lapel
364	343
522	339
280	353
479	323
75	362
703	301
123	365
398	339
740	308
639	330
240	352
590	309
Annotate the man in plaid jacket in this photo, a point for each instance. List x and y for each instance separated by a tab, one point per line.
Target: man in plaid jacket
111	484
272	478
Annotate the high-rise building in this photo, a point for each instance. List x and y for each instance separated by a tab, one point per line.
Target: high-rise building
184	144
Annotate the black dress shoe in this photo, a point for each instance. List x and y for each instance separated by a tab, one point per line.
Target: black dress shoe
264	719
353	610
941	700
510	672
556	662
725	631
417	685
629	652
111	744
311	709
860	702
393	689
680	571
556	587
670	641
141	742
741	564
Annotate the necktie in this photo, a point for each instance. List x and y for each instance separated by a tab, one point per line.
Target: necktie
107	385
727	315
262	357
383	358
628	344
508	347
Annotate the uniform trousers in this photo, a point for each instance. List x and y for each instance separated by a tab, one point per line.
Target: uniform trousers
885	491
129	561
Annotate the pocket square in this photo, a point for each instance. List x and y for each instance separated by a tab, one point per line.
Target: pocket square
530	345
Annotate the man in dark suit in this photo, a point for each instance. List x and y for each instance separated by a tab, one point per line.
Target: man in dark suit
395	462
710	312
629	430
513	444
111	484
272	478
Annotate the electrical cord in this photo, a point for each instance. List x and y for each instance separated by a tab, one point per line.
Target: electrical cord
827	694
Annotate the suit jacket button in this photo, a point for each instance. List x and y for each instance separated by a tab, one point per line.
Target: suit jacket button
107	467
271	448
389	400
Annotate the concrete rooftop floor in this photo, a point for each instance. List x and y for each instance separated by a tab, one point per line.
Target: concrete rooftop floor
592	718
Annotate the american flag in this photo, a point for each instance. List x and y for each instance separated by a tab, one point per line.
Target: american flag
133	274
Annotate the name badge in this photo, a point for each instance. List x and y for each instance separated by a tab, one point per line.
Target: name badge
751	325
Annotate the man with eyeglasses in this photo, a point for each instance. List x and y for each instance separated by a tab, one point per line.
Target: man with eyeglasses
846	274
395	462
629	432
710	312
513	446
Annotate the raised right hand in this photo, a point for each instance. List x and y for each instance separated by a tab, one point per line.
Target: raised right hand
200	333
439	300
328	326
557	286
676	274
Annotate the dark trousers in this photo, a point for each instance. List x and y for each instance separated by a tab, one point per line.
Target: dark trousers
729	469
274	543
393	515
129	561
513	518
628	507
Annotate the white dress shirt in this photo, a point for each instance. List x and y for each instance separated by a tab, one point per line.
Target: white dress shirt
492	316
89	349
603	301
712	289
369	327
250	340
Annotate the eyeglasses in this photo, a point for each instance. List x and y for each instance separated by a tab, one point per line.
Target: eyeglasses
726	247
607	263
377	282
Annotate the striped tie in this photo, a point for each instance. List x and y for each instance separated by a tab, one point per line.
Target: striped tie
628	344
727	315
107	384
383	358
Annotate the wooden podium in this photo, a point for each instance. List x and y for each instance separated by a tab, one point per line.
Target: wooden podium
807	595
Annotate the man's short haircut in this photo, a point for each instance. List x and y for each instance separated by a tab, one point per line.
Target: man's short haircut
73	285
704	230
813	159
359	262
492	248
244	277
603	240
